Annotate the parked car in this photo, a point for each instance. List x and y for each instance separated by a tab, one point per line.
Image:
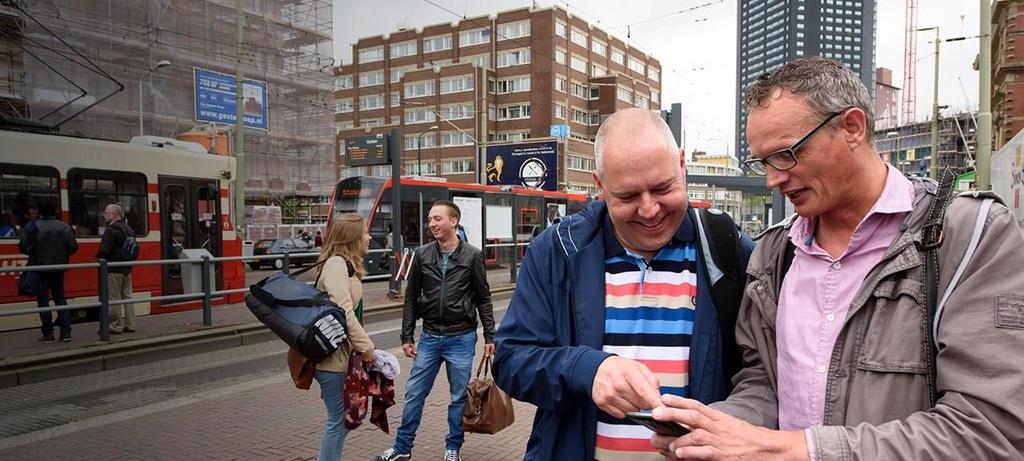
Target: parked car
283	246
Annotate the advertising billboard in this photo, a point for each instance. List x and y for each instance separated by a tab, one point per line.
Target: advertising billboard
528	164
215	99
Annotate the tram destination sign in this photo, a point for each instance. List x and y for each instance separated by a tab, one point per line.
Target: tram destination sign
367	150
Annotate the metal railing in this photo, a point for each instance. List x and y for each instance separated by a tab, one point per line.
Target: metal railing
207	294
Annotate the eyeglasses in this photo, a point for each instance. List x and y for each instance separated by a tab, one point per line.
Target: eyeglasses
785	159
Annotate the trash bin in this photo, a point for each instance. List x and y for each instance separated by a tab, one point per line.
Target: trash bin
247	247
191	273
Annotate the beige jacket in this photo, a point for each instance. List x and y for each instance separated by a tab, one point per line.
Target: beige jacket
346	291
876	405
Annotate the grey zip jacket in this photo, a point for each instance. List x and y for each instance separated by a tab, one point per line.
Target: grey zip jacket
877	398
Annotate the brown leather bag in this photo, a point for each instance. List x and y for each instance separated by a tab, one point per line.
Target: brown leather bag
488	409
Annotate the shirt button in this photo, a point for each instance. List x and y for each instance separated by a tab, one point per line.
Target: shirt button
830	317
837	265
822	369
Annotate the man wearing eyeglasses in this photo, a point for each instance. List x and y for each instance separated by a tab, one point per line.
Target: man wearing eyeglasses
836	339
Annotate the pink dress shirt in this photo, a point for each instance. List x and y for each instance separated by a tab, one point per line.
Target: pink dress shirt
815	298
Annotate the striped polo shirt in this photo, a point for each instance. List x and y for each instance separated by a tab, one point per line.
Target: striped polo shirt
649	313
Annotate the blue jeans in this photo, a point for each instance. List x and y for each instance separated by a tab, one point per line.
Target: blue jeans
457	354
332	390
53	287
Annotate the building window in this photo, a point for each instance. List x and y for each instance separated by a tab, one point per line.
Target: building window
419	89
403	49
595	92
438	43
653	74
560	29
419	115
371	122
474	37
343	106
457	111
595	118
655	96
344	82
346	125
618	57
579	116
575	162
515	112
636	66
456	138
643	101
479	60
560	112
560	84
413	168
373	54
578	64
371	78
513	57
456	166
397	72
513	30
457	84
90	191
599	48
513	84
578	37
597	71
411	140
560	56
624	95
396	120
373	101
512	136
396	99
580	90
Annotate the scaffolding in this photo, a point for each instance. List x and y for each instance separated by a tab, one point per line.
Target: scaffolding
908	147
287	44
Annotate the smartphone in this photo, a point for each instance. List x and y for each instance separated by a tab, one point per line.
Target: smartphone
645	419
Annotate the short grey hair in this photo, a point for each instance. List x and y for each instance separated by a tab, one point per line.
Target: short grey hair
826	86
627	122
116	209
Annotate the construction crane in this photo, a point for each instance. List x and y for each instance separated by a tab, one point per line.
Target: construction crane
910	64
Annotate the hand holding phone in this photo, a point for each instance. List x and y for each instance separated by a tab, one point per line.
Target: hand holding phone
644	418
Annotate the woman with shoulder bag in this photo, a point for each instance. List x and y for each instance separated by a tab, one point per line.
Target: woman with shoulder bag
346	245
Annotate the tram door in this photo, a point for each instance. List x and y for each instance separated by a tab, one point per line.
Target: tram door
416	202
189	219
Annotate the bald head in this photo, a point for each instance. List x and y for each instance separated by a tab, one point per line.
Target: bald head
628	125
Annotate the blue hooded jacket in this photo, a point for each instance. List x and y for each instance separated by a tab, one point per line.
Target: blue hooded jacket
548	347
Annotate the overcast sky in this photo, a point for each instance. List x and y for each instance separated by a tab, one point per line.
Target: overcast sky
697	48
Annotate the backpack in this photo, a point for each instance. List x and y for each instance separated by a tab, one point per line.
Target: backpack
722	252
299	314
129	250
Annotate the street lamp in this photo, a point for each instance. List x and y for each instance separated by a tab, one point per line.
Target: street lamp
419	149
159	65
895	152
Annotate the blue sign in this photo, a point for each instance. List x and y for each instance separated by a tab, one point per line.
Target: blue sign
533	165
215	99
560	131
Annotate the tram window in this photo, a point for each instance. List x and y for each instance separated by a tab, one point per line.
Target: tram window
90	191
21	189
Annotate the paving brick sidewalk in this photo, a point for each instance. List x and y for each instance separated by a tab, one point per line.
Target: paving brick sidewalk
269	422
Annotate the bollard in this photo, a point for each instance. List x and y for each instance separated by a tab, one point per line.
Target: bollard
207	298
286	267
104	295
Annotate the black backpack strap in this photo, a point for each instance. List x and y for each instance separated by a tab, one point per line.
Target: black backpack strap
931	239
723	253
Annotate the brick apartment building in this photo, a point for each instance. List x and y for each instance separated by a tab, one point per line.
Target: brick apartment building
1007	70
487	80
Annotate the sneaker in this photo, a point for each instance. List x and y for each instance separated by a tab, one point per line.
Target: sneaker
452	455
129	330
391	455
65	337
47	338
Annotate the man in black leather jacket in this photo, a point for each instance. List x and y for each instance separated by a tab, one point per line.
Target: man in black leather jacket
447	288
48	240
